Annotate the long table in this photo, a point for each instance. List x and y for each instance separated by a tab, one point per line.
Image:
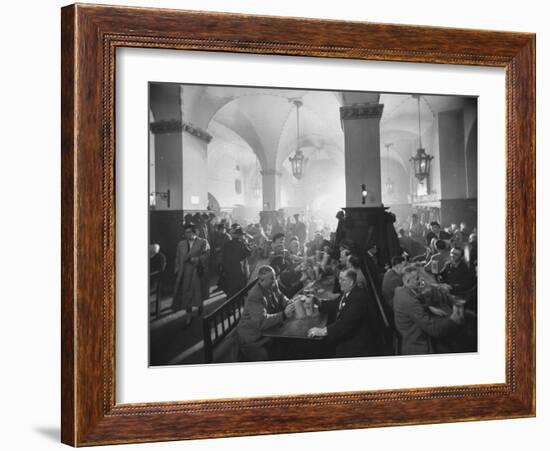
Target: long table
297	328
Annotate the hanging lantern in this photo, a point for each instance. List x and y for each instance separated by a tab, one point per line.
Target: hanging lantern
297	161
297	164
421	161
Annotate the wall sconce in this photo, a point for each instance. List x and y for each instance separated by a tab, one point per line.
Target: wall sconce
364	193
163	195
195	200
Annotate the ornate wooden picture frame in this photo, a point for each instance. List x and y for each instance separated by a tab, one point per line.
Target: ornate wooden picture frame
90	37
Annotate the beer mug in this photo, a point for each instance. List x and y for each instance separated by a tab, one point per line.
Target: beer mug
308	305
299	308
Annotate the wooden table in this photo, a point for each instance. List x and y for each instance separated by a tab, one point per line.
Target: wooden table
290	340
296	328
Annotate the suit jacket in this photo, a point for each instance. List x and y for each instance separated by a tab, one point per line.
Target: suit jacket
235	267
416	324
442	236
391	281
351	325
262	309
460	278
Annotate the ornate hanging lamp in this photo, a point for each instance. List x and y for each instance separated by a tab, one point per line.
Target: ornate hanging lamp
297	161
421	161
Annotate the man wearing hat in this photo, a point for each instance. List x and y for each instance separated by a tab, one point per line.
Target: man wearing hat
234	262
300	229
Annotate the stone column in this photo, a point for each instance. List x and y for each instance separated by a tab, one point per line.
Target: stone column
271	187
367	223
194	167
361	124
181	163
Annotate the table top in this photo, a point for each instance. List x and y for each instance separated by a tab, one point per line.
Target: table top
322	289
297	328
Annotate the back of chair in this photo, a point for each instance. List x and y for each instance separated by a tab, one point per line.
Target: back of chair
221	322
155	286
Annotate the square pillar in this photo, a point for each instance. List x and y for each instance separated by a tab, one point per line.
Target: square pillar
361	125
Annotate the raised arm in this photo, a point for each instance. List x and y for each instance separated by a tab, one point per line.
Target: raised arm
258	314
432	325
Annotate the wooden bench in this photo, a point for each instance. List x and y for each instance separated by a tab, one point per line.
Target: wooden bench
219	328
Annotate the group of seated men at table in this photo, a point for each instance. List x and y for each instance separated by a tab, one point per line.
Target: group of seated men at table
414	307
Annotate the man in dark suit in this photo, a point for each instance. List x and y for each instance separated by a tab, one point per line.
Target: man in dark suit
234	262
300	229
457	274
351	327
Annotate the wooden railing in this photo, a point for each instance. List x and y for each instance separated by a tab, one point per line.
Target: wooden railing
217	325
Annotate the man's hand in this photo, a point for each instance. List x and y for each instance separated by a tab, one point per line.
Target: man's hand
317	332
290	309
458	314
437	311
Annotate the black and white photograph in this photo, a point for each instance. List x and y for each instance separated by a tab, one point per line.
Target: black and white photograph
256	225
292	224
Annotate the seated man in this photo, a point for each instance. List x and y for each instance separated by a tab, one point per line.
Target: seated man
351	325
278	244
393	278
264	307
413	320
457	274
438	260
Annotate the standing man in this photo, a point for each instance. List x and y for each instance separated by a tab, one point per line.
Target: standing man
234	263
264	307
352	327
219	238
191	279
415	323
437	233
300	229
416	229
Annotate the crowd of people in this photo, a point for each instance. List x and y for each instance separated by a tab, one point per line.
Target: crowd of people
216	251
423	301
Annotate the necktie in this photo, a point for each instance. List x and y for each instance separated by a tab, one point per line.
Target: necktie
342	302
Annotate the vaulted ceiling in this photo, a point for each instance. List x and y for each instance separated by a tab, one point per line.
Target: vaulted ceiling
265	118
